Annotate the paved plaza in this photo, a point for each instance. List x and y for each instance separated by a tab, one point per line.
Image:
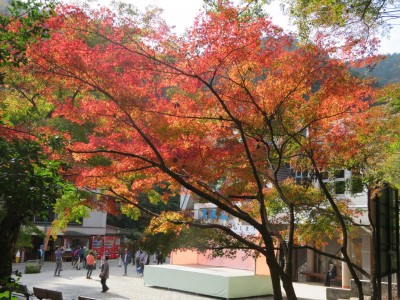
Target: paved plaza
73	283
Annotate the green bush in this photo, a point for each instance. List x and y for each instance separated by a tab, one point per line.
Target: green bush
32	267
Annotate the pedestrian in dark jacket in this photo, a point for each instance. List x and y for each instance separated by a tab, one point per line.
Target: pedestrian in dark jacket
82	258
330	274
159	257
126	258
105	273
144	257
137	258
58	254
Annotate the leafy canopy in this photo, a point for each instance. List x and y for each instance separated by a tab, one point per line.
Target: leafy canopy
221	112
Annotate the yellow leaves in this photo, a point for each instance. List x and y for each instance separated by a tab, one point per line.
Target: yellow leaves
167	222
130	211
69	208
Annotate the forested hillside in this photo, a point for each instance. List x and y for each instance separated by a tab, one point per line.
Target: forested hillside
386	71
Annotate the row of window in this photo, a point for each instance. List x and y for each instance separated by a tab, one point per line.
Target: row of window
336	182
38	220
211	214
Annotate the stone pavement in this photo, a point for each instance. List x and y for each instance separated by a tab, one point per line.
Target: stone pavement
73	283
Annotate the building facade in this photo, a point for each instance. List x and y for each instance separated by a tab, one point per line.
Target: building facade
87	233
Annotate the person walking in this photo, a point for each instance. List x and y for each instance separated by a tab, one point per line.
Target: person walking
81	254
159	257
105	272
41	255
121	254
138	254
90	264
75	257
143	261
126	258
58	253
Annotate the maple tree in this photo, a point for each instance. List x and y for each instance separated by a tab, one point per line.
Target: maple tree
220	112
357	21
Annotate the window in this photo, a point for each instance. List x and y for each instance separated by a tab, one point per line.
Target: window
339	174
340	187
356	184
224	216
214	214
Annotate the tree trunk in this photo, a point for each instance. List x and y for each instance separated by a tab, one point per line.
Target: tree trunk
10	226
276	283
288	287
374	279
356	279
276	272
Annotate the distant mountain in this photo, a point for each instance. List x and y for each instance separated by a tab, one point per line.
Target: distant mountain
386	71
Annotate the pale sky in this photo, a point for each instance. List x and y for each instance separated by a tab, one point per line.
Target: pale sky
181	13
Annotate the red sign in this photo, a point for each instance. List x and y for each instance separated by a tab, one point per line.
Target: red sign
106	245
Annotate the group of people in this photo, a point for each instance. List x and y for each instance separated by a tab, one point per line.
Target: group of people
89	262
141	259
79	257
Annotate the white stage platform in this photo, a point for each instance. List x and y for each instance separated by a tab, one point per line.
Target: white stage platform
213	281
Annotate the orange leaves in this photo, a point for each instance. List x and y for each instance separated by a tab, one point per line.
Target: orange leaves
214	112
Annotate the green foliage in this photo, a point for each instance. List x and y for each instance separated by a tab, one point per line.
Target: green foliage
78	132
163	242
154	197
13	286
358	15
69	208
355	184
249	8
25	236
99	160
29	183
56	143
29	186
6	295
137	222
384	160
130	211
30	16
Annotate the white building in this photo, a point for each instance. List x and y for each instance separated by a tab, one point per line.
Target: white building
306	261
